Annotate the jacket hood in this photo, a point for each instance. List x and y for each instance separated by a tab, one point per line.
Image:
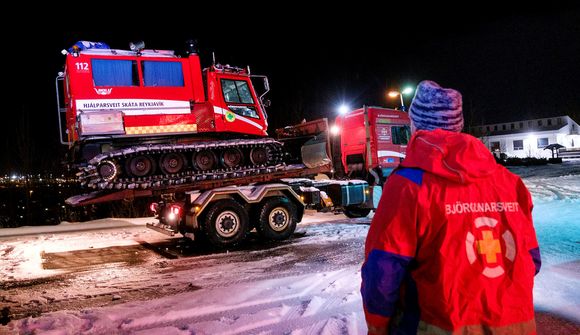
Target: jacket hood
454	156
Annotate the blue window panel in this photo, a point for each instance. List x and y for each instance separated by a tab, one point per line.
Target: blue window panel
164	74
112	72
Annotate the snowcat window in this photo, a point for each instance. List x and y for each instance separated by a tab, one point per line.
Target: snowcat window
163	74
400	134
244	111
237	91
108	72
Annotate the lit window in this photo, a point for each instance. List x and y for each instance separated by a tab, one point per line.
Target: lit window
542	142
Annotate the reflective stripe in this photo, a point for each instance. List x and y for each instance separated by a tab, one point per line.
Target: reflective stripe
384	153
221	111
526	327
176	128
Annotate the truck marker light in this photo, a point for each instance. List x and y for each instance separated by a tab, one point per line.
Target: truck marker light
175	210
153	207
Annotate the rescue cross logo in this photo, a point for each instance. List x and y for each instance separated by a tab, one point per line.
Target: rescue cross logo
489	246
230	117
103	91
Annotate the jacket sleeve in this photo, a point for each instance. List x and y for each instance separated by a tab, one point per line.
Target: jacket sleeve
526	204
390	246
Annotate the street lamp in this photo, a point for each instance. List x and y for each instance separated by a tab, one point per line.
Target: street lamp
394	94
343	109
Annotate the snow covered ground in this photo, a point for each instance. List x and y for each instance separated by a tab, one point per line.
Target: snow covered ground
121	278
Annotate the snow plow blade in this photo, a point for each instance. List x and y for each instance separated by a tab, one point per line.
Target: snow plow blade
307	143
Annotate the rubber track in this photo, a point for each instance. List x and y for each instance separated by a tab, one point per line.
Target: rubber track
89	177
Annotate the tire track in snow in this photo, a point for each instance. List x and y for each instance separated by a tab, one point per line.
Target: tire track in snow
304	308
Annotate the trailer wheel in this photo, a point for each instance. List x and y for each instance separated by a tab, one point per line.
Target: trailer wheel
225	224
355	212
277	219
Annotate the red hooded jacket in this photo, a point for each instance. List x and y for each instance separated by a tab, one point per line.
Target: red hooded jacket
452	247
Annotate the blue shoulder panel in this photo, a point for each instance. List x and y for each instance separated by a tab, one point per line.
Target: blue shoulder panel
413	174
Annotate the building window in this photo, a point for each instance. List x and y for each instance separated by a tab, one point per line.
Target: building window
512	126
503	127
495	128
530	124
542	142
488	129
521	125
519	145
540	123
549	122
559	120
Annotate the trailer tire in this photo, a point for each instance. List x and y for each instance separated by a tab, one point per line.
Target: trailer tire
277	219
355	212
225	224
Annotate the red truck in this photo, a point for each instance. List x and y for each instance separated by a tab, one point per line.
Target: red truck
154	125
373	141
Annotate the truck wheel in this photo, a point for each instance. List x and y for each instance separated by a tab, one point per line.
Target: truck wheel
226	223
354	212
277	219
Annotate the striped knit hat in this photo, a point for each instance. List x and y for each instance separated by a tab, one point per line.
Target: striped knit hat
436	107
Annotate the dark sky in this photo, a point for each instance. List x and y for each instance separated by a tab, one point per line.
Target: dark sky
509	64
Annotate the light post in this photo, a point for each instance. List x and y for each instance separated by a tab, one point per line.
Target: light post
394	94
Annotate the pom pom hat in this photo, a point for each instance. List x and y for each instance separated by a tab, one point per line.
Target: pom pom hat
436	107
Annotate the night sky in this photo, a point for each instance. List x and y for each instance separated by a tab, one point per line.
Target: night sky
508	64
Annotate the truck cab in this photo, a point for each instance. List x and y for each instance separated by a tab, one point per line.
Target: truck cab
373	141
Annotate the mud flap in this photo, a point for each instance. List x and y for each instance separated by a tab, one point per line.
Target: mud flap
314	152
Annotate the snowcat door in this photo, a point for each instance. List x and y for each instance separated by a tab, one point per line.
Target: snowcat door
243	113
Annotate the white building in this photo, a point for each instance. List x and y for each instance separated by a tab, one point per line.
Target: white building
528	138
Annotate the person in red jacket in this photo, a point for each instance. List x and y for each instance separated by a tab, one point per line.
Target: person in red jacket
452	247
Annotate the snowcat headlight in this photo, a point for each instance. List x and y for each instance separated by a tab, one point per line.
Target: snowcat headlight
101	123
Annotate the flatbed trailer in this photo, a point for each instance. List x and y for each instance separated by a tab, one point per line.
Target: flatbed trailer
223	216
